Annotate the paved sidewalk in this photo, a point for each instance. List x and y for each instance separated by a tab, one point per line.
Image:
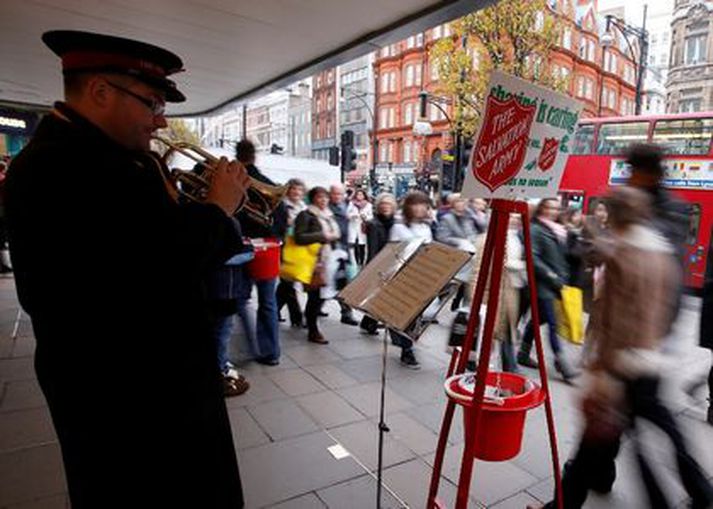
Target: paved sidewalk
320	396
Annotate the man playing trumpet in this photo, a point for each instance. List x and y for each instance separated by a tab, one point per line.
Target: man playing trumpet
109	268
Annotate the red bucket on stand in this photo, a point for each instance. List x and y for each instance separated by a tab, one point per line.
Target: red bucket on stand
266	263
502	420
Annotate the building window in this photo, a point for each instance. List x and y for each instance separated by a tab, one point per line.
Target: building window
408	75
586	49
695	51
434	69
689	105
567	39
392	117
408	114
392	82
438	32
446	30
410	42
383	116
609	62
419	39
385	84
539	21
407	151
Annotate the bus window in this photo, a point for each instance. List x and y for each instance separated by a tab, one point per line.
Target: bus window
694	224
684	137
616	138
584	140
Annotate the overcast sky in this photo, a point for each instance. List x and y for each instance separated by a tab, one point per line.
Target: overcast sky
635	8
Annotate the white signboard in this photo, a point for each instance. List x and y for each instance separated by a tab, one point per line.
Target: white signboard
678	173
523	143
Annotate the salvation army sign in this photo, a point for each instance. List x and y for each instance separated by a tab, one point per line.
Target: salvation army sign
502	141
523	142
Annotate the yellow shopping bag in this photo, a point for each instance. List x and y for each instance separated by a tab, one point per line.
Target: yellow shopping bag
298	262
569	315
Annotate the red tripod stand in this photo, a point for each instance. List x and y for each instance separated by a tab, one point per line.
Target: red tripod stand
491	269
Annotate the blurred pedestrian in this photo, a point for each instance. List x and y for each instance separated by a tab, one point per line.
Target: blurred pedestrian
317	224
638	302
671	216
549	248
706	333
414	224
338	206
293	202
260	328
359	212
378	230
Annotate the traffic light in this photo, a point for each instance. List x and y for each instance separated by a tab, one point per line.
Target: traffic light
349	155
334	156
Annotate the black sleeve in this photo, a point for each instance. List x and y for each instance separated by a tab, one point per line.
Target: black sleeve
279	221
307	231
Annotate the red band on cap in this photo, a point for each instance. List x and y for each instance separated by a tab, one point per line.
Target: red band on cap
78	60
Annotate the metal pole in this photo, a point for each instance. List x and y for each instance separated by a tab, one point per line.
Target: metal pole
643	55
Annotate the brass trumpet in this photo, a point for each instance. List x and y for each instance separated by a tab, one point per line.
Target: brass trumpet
260	199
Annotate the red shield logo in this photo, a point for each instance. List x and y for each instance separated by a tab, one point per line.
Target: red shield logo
502	142
548	155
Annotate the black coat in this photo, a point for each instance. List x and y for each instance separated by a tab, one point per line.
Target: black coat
110	270
706	337
549	256
340	216
377	234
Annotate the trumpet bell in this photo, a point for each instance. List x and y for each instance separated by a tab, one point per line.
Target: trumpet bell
260	199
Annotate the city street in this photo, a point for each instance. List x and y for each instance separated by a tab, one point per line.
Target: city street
320	396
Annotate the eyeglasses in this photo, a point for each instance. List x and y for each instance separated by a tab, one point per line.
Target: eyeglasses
157	107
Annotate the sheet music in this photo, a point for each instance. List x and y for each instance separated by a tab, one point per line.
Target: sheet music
402	298
379	270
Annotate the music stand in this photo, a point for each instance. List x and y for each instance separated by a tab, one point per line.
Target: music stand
395	288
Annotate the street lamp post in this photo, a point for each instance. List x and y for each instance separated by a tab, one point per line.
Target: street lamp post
423	127
642	36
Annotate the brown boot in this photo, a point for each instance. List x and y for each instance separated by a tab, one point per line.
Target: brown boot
316	337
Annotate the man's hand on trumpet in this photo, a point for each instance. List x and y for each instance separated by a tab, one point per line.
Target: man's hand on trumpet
229	184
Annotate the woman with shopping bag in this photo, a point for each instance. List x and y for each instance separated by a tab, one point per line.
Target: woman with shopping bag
316	229
551	273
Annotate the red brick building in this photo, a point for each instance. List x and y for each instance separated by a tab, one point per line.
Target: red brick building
324	113
604	80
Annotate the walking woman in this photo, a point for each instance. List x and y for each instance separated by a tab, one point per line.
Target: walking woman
293	202
551	273
316	224
414	224
359	212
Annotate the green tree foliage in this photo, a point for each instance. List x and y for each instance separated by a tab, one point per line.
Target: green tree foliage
515	36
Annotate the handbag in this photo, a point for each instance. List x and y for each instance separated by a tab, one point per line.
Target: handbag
299	262
569	315
319	276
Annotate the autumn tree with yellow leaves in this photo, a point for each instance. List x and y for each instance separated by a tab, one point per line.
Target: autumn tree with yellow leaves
515	36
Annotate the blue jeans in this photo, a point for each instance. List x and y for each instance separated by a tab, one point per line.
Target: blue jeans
261	333
547	315
222	330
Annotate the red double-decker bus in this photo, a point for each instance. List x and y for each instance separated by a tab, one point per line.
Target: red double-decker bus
597	162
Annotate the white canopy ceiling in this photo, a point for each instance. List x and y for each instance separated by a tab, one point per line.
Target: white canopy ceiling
231	48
